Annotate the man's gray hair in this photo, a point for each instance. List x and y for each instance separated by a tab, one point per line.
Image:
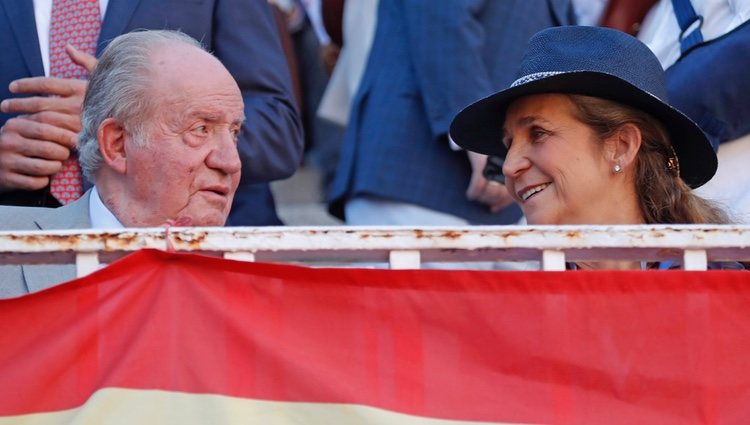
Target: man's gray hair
118	88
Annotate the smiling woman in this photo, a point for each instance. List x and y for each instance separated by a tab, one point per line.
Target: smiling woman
588	137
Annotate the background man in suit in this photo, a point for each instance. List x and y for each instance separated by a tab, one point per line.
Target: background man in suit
161	119
428	61
241	33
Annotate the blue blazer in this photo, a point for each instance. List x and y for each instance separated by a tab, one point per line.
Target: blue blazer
241	33
429	60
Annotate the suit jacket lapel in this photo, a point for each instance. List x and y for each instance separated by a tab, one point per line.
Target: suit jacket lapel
72	216
21	18
116	19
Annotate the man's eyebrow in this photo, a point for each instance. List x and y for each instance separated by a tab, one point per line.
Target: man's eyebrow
211	116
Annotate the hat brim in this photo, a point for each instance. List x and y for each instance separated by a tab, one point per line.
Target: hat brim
479	126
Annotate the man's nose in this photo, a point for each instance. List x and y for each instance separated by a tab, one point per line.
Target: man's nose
225	156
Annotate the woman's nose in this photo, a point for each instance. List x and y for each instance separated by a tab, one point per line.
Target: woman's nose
516	161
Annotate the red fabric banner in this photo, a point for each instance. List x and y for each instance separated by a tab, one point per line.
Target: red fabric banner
576	347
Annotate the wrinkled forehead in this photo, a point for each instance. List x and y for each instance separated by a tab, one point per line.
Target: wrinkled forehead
181	69
196	85
229	112
539	107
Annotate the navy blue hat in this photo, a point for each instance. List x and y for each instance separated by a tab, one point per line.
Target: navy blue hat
590	61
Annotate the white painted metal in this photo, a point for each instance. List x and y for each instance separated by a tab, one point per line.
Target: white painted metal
86	263
345	245
553	260
240	256
400	260
695	259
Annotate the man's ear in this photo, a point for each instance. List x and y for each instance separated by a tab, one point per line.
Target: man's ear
626	144
111	136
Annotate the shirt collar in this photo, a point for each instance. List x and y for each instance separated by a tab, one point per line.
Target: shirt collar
101	217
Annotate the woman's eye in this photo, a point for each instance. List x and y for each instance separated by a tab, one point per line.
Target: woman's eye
537	133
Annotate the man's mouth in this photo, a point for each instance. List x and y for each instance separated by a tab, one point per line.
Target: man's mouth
528	192
218	189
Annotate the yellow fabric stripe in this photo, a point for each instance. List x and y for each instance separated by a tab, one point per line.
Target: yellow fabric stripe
128	406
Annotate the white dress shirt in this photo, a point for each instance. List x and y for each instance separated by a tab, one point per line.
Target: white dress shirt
101	217
358	27
589	12
661	32
43	16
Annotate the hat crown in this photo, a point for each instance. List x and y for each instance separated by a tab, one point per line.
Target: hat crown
594	49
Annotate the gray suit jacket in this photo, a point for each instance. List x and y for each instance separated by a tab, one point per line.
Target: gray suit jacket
19	280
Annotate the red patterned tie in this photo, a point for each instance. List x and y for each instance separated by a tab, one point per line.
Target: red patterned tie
76	22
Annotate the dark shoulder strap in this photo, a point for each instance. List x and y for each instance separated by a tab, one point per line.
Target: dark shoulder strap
690	24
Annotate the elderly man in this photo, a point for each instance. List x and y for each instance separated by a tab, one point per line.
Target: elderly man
160	123
39	81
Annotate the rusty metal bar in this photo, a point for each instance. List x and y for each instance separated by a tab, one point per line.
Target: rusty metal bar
346	245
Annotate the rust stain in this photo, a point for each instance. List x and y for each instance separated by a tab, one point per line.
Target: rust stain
115	242
316	232
193	239
109	242
510	234
419	233
65	240
451	234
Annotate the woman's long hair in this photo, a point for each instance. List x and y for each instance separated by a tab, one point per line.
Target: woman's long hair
663	196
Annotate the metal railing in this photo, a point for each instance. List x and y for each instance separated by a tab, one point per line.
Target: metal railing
399	247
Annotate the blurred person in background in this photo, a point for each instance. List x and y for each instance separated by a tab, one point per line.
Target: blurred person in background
427	61
704	45
304	25
355	22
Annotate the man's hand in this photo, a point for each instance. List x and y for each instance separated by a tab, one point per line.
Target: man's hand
33	145
481	190
30	152
57	95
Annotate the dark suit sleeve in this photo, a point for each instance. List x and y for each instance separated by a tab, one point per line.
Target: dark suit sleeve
246	41
445	43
